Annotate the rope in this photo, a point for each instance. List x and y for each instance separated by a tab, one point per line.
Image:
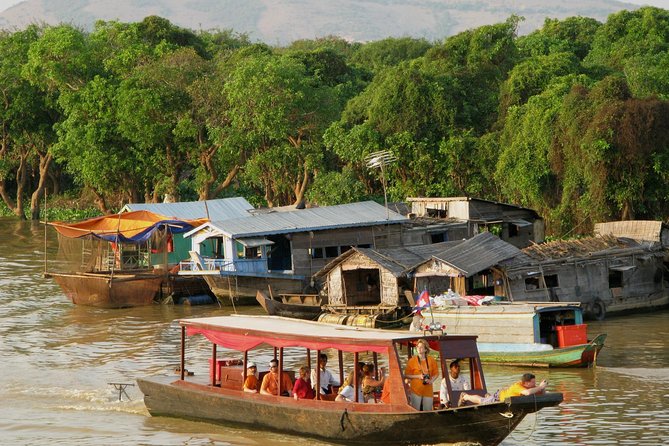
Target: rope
341	420
534	426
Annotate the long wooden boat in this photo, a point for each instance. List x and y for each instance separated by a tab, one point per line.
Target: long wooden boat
298	306
534	334
219	398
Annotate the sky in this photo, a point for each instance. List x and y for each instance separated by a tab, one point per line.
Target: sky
4	4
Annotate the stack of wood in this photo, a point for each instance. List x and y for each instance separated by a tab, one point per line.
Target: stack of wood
561	249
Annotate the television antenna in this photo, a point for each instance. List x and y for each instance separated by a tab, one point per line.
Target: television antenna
381	159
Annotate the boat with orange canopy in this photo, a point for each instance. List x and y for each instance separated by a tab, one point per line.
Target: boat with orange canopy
218	397
116	261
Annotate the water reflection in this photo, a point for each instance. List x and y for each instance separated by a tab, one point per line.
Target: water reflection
58	359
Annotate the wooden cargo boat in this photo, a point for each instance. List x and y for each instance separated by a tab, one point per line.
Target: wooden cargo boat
298	306
220	399
534	334
120	260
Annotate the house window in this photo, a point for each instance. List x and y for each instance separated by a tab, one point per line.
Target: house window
343	249
437	238
317	253
615	279
532	283
551	281
365	245
331	251
513	230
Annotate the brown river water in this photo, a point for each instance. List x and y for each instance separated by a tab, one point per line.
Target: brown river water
57	360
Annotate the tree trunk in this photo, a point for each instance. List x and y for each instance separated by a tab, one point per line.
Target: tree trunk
101	202
44	164
301	187
5	196
21	179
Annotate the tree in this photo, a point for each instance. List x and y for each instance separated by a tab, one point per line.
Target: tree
25	126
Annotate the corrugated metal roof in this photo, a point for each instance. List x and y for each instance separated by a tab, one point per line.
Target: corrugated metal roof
478	253
366	213
396	260
648	230
219	209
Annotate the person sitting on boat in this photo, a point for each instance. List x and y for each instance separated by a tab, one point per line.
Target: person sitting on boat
251	382
302	389
327	379
421	371
347	392
270	383
371	387
526	386
458	382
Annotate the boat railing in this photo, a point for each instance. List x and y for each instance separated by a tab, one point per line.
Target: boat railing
237	265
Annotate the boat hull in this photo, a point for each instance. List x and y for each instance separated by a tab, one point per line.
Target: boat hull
309	310
582	355
241	289
341	422
107	291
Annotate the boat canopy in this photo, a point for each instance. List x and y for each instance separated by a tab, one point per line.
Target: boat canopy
127	227
241	333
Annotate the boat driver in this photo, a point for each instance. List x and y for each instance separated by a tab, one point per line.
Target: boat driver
458	382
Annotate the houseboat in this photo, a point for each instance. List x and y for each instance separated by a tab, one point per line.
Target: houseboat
117	260
608	274
529	334
218	397
282	249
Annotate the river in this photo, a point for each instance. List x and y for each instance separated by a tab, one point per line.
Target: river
57	361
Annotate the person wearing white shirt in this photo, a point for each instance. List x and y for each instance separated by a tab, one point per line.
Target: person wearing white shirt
327	379
458	382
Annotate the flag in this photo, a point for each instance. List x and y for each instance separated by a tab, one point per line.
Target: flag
423	301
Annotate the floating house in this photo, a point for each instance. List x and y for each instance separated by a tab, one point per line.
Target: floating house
516	225
279	251
374	281
607	274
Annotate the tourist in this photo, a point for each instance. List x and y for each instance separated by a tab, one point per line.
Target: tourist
526	386
421	371
327	380
347	391
371	387
251	382
458	382
270	383
302	389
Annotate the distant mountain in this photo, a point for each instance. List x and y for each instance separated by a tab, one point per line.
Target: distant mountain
283	21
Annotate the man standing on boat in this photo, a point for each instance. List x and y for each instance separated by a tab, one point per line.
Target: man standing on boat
270	383
421	371
327	379
458	382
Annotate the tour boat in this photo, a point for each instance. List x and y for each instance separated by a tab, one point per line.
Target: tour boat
218	397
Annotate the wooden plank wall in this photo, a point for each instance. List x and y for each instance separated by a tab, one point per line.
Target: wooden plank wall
502	328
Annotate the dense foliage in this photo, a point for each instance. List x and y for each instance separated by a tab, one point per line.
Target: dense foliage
570	120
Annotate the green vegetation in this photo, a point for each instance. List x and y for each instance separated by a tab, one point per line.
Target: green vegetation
569	120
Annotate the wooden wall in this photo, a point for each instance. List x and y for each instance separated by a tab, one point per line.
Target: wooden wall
385	236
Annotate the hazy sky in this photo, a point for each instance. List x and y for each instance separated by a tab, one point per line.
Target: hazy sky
4	4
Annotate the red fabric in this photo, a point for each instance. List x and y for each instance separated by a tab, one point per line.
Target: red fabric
242	343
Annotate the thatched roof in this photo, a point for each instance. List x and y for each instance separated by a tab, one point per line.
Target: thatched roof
396	260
